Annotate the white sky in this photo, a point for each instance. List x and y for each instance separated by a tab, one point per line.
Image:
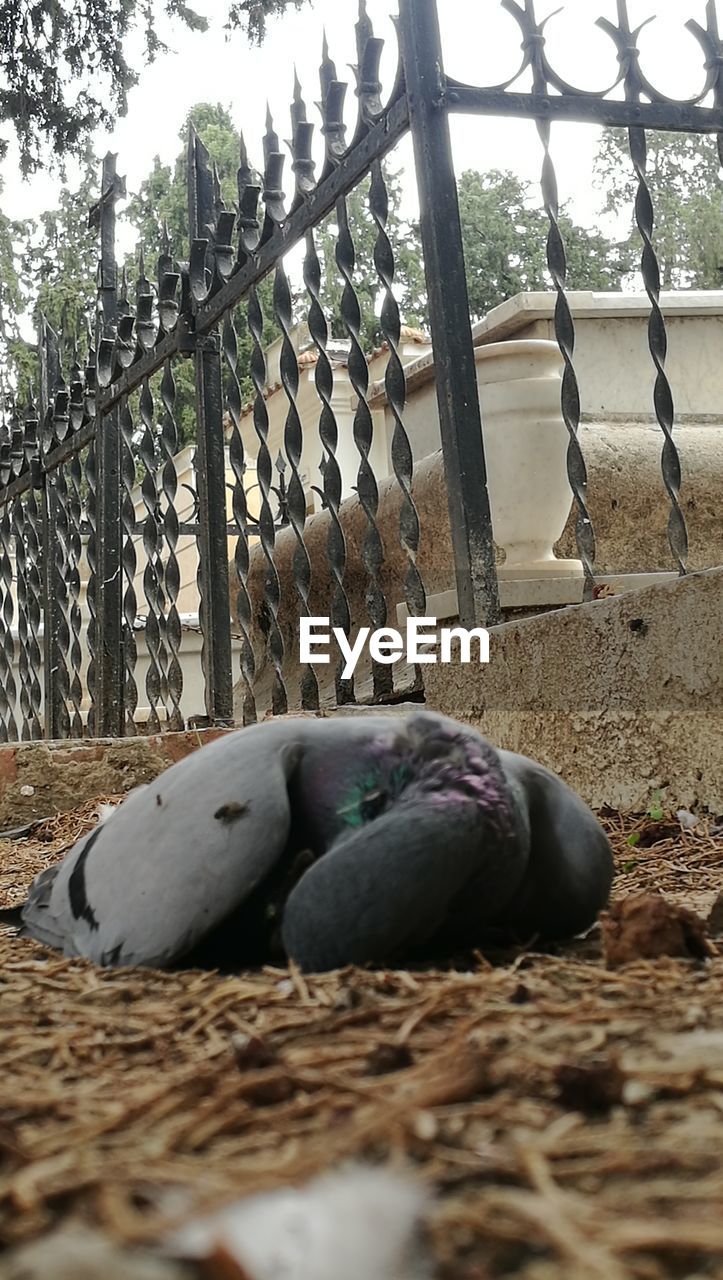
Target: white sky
481	45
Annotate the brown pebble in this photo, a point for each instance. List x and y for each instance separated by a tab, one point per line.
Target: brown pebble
388	1057
590	1087
250	1052
521	994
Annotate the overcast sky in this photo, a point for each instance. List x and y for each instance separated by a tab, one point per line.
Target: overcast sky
481	45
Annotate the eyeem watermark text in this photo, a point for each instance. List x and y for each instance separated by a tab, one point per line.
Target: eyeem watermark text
386	645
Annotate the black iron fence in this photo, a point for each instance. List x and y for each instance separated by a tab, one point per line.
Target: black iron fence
91	516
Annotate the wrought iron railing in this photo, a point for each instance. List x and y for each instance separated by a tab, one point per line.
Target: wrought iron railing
76	533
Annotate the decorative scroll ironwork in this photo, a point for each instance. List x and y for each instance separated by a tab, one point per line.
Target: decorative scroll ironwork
568	101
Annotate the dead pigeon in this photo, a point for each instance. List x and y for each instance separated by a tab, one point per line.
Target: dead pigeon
330	842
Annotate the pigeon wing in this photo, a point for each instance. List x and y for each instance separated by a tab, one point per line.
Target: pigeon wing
570	869
393	884
175	859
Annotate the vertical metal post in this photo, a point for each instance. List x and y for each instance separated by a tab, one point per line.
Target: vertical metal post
110	718
456	378
49	376
211	473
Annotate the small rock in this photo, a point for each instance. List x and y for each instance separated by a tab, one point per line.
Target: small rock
590	1087
388	1057
687	820
636	1093
27	790
694	1015
424	1126
521	994
251	1052
345	999
645	926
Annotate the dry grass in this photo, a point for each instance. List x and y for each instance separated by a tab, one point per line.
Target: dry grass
569	1116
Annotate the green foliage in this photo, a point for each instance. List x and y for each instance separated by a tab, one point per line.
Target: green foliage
17	358
251	15
47	267
162	198
60	259
655	808
684	177
63	70
505	234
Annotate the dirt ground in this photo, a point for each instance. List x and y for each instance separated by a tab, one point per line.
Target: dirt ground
567	1115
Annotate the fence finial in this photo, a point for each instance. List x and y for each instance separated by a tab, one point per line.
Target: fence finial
302	133
273	194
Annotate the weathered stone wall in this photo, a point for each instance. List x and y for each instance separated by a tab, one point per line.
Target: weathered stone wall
622	696
41	778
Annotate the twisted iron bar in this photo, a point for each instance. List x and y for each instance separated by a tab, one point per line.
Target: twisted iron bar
569	392
329	436
32	524
240	515
130	563
75	549
91	553
658	344
267	533
293	445
395	387
152	573
172	576
61	676
366	486
8	687
21	581
635	87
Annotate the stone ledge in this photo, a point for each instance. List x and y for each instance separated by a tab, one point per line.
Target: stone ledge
548	591
38	779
